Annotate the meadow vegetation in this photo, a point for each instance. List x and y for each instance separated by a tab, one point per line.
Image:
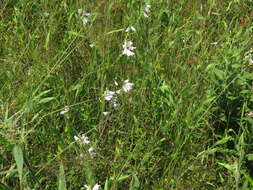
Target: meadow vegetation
126	94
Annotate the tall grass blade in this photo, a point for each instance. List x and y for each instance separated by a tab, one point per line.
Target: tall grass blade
62	181
18	156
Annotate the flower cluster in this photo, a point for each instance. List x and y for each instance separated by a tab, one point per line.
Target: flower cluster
84	16
83	139
128	48
91	152
127	86
111	96
128	45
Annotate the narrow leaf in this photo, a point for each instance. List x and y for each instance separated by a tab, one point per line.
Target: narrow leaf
18	156
47	40
106	185
228	166
123	177
223	141
62	181
135	183
42	94
45	100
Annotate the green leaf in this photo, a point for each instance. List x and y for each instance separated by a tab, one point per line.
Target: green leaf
210	67
208	151
236	66
228	166
47	40
62	181
209	100
45	100
106	185
42	94
135	183
114	31
74	33
223	141
245	91
219	73
18	156
165	88
250	157
247	75
123	177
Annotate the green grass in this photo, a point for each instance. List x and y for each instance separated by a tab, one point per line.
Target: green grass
186	124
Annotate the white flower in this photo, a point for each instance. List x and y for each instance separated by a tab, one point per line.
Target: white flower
127	86
46	14
85	20
83	139
76	138
128	45
91	45
84	16
130	28
128	52
64	111
128	48
249	58
119	91
146	10
115	82
106	113
214	43
115	103
109	95
91	152
95	187
80	11
145	15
